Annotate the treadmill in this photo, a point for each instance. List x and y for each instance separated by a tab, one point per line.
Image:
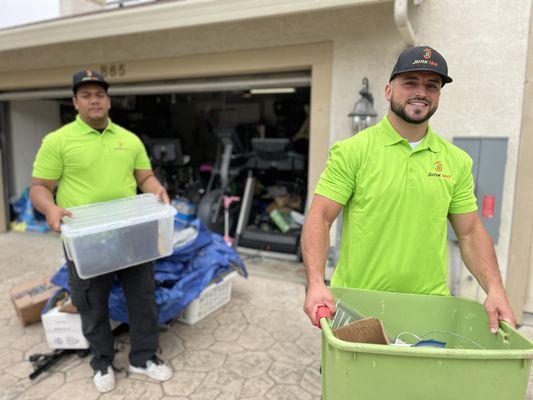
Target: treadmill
269	154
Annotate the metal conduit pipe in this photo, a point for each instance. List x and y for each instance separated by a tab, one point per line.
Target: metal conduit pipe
401	19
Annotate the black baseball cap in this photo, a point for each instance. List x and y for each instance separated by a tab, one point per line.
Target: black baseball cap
421	58
88	76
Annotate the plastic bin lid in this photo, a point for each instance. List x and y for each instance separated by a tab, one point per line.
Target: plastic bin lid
106	216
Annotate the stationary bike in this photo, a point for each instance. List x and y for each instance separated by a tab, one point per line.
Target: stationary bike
217	208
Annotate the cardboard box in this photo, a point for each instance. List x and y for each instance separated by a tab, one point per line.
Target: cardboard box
369	330
285	204
30	298
63	330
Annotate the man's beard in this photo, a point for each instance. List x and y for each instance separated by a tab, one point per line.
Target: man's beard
399	110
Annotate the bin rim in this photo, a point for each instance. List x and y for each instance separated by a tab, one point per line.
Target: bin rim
427	352
158	211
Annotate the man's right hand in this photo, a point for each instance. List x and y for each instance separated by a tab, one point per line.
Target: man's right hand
318	295
54	214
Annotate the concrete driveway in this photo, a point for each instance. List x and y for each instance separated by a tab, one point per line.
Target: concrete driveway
259	346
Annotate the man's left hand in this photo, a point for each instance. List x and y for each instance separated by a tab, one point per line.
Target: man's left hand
498	308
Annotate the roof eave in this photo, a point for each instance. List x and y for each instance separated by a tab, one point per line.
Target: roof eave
159	16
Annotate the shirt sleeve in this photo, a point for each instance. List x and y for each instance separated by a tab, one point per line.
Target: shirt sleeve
48	162
463	199
337	181
141	159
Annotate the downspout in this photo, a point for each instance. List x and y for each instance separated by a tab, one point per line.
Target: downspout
401	19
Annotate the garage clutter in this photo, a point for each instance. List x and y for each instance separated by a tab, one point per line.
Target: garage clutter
25	217
193	282
199	258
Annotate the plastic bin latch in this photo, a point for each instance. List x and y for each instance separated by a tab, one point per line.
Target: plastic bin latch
67	249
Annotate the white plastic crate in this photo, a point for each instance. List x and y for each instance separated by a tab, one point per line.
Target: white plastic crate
214	296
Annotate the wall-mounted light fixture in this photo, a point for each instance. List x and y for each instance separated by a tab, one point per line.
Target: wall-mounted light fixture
363	114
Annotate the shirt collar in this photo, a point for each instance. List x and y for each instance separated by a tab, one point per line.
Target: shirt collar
85	128
391	137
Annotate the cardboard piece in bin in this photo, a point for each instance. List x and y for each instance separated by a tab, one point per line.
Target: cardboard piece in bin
369	330
30	298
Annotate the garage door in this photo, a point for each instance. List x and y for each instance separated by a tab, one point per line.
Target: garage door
245	82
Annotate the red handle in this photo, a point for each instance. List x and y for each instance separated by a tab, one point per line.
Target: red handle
322	312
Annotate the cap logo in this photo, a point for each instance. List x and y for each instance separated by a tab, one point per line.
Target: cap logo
89	73
427	53
428	62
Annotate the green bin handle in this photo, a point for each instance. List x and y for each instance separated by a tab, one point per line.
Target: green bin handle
322	312
503	330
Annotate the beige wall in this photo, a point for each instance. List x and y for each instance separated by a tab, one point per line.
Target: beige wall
484	42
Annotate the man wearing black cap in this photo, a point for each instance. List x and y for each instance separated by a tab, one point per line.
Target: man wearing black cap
92	160
397	183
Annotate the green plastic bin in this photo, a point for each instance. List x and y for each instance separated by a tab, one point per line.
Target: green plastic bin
461	371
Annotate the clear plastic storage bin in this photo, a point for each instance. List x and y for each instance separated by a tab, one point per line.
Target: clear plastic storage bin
106	237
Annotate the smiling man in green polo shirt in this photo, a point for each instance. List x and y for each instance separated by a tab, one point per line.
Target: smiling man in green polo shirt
94	160
397	183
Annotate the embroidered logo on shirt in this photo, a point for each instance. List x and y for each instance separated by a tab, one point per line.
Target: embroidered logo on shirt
120	145
439	167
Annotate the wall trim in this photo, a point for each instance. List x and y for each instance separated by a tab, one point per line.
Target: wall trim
159	16
520	263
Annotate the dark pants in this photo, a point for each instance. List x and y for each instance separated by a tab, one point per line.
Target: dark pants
91	296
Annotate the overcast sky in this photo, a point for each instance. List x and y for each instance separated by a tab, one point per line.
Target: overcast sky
21	12
18	12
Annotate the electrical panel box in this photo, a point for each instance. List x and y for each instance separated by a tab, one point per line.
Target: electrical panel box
489	156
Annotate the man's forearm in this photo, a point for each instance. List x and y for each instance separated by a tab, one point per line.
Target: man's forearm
315	245
478	254
41	197
150	185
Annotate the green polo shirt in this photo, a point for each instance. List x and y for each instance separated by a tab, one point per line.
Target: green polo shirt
396	201
90	166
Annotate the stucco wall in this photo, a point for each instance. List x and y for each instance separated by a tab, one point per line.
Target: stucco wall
484	43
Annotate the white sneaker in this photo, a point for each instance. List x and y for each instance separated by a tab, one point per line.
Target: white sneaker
155	369
104	380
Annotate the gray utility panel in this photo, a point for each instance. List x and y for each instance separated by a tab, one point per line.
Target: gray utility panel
489	156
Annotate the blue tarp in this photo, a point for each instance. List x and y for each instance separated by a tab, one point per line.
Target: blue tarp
25	213
180	277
